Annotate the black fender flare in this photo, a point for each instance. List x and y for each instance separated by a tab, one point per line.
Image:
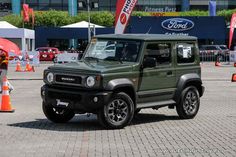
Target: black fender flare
121	83
183	81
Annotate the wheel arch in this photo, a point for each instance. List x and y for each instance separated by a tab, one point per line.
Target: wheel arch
123	85
185	81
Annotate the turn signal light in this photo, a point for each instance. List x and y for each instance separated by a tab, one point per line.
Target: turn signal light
234	77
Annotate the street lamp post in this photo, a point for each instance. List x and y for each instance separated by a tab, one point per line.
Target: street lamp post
89	32
83	5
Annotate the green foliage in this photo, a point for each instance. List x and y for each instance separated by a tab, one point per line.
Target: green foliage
59	18
52	18
103	18
140	13
226	13
13	19
194	13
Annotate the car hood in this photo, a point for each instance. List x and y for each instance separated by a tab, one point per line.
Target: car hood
90	67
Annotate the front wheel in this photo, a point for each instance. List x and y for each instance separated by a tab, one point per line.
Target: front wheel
189	103
57	115
118	112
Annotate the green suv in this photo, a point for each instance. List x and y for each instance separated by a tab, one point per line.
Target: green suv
119	75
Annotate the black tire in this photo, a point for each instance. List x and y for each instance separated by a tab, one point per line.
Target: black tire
189	103
118	112
136	112
54	60
57	115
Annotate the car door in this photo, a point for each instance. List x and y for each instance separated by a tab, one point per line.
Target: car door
157	83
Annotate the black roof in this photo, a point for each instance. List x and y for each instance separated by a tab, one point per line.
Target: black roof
147	37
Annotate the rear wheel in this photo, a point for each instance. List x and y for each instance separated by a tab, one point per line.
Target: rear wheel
57	115
189	103
118	112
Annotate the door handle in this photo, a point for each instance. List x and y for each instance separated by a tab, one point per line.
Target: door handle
169	73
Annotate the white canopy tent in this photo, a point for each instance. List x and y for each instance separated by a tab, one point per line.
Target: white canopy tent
4	24
82	24
24	38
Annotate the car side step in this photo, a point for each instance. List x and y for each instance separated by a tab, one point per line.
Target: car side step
155	104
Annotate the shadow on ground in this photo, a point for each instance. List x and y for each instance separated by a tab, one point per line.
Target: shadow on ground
84	123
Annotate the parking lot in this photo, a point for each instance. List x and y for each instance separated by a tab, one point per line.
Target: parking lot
152	133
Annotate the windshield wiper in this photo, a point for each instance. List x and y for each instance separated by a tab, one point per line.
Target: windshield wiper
91	58
113	59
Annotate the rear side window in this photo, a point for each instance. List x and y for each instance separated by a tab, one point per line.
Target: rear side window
185	53
160	51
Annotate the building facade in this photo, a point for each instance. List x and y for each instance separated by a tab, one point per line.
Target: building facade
7	6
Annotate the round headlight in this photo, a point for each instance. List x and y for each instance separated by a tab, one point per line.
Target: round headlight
90	81
50	77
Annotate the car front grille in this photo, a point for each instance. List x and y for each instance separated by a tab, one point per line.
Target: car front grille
66	96
67	79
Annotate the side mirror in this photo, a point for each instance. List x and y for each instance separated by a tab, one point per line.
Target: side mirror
149	62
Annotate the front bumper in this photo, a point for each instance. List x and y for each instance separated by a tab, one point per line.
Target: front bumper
78	100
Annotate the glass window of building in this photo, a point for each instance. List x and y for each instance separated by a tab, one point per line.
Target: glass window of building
110	5
56	1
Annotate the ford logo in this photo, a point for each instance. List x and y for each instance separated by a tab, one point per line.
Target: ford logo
177	24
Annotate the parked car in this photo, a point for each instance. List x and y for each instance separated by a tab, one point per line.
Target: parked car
224	49
138	71
221	49
47	53
213	52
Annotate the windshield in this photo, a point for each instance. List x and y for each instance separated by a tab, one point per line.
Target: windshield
113	50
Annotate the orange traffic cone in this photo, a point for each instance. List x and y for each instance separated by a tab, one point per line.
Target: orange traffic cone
32	69
27	67
234	78
6	102
18	67
217	64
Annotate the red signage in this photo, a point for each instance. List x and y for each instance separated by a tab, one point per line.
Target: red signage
26	12
123	18
124	9
232	25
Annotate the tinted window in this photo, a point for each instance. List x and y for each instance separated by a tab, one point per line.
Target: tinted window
160	51
185	53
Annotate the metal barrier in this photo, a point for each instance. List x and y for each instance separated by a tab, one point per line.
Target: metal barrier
213	57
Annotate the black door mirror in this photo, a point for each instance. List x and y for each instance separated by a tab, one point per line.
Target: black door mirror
149	62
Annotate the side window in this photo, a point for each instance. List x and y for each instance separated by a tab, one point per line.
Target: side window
160	51
185	53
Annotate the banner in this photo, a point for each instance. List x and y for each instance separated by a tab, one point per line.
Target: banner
31	12
124	9
212	8
67	57
231	31
32	57
26	12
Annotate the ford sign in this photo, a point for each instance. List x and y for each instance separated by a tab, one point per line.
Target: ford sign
177	24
